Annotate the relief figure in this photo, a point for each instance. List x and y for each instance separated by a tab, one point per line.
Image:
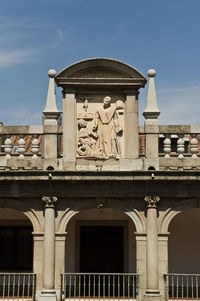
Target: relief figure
86	139
106	124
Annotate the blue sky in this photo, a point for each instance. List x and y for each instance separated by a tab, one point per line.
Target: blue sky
38	35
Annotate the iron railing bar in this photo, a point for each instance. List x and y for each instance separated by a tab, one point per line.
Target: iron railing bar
99	286
61	286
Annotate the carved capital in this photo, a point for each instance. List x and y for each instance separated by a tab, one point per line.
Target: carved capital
49	201
152	201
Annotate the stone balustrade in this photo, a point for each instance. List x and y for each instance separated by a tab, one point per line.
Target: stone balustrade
21	147
178	148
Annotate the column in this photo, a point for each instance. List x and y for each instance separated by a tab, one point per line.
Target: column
69	130
152	271
48	291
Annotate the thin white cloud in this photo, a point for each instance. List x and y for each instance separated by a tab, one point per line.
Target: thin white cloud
23	40
11	58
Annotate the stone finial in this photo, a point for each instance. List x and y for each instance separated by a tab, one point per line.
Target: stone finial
151	111
51	105
151	201
49	201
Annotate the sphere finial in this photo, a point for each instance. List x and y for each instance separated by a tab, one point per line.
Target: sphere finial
52	73
151	73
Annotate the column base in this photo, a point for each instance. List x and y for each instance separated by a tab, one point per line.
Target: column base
153	295
48	295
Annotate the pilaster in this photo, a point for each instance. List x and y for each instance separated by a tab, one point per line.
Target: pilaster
131	140
69	130
141	241
38	241
60	241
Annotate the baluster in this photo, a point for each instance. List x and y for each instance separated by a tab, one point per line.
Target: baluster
167	146
21	147
35	146
180	147
194	146
8	147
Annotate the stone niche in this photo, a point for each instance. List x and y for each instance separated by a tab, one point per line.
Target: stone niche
100	115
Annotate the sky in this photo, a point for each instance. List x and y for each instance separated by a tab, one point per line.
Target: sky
38	35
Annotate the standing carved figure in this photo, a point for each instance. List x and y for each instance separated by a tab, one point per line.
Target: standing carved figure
106	123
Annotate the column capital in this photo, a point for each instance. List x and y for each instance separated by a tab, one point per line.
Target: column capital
49	201
151	201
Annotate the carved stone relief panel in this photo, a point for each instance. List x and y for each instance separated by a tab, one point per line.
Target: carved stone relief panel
100	126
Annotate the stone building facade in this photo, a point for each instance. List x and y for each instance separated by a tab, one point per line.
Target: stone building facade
93	205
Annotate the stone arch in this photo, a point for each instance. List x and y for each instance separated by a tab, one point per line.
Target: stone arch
21	207
104	67
170	213
90	204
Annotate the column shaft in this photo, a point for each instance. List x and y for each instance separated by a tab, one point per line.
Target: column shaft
49	248
152	250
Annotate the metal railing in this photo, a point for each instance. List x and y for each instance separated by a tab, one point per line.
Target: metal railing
98	285
182	286
17	286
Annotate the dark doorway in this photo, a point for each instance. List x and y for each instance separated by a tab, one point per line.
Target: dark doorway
16	252
102	249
